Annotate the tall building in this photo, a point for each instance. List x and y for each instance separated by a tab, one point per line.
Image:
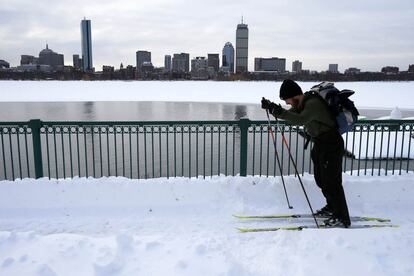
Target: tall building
411	68
48	57
181	63
199	63
213	61
142	56
86	45
333	68
228	56
144	65
167	63
48	60
270	64
242	48
199	66
77	62
297	66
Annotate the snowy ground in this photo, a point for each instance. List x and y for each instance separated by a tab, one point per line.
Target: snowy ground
116	226
368	94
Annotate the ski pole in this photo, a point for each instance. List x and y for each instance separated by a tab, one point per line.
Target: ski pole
277	158
297	172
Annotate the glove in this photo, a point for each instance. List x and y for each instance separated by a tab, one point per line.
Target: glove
266	104
275	109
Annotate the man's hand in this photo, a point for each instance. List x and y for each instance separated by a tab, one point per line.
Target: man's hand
275	109
266	103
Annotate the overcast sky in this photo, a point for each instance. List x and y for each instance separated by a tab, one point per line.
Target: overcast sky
367	34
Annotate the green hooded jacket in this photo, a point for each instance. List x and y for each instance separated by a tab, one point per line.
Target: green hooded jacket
313	113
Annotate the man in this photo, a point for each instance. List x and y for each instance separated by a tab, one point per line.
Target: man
312	111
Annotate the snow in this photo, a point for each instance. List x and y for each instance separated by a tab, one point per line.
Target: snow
368	94
396	114
180	226
116	226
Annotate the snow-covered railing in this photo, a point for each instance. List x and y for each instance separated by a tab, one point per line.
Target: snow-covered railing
190	148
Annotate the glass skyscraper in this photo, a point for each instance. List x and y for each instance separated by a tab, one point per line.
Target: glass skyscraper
228	56
86	45
167	63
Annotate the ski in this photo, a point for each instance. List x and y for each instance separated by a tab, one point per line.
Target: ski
308	216
301	227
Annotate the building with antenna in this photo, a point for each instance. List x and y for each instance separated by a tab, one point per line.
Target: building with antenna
49	57
242	47
48	60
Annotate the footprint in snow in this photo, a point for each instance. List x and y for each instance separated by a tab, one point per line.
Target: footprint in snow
152	245
7	262
181	264
45	270
201	249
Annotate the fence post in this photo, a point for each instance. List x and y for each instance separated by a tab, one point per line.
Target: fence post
244	125
35	126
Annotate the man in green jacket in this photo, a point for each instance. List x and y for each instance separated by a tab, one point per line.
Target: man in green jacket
312	112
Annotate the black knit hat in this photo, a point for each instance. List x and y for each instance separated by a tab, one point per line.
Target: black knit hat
289	89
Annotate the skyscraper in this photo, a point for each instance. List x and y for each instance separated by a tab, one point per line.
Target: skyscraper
297	66
144	64
181	63
242	47
228	56
77	62
213	61
167	63
49	57
199	68
333	68
86	45
142	56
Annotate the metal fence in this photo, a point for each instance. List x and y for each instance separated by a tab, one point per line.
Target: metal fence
37	149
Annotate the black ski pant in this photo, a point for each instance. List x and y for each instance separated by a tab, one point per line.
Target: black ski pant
327	154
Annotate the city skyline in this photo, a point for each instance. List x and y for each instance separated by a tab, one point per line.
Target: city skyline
367	35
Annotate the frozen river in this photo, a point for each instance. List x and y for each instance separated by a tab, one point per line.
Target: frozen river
144	111
179	100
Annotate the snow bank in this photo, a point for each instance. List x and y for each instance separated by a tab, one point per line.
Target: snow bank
115	226
368	94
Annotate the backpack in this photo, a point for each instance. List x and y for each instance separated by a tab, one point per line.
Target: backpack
344	110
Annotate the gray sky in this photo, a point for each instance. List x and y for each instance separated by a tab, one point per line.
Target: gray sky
367	34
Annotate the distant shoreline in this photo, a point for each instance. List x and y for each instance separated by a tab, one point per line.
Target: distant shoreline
71	74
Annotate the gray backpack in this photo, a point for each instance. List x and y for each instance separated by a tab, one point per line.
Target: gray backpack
338	102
